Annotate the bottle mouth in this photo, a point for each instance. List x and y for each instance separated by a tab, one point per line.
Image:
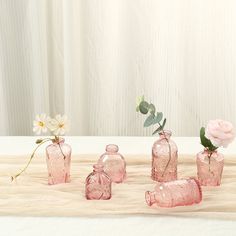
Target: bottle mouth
98	167
199	187
166	132
209	151
112	148
150	199
59	140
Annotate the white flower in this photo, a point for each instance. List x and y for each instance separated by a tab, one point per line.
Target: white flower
41	124
220	132
59	125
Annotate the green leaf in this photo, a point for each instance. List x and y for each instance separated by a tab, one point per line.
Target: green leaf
163	124
38	141
152	109
138	101
157	130
160	128
149	120
205	141
144	107
158	118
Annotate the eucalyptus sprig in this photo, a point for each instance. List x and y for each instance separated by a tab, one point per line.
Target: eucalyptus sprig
154	117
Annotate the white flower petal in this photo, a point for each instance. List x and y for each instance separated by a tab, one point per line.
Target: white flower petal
44	129
58	117
219	132
37	118
35	129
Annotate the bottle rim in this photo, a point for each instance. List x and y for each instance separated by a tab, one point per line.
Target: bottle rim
112	148
60	140
199	187
149	197
98	167
167	132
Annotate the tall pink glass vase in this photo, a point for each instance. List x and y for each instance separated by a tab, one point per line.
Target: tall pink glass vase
114	163
164	158
98	184
175	193
58	162
210	166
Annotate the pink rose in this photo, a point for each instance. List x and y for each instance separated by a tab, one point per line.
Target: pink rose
220	132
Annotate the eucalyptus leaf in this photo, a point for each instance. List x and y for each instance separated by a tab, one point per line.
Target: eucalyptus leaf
149	120
144	107
160	128
157	130
163	124
158	118
139	100
152	108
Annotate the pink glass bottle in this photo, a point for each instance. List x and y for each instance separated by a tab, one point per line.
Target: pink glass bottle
98	184
164	158
175	193
114	163
58	162
210	166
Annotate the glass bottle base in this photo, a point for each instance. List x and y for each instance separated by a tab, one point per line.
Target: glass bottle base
169	176
53	181
209	182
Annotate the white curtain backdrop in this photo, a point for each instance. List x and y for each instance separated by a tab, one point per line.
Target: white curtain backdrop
90	59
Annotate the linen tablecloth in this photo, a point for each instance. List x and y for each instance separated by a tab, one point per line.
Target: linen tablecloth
31	196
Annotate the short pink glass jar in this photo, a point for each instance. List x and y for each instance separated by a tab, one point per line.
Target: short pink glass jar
175	193
164	158
114	163
58	162
210	166
98	184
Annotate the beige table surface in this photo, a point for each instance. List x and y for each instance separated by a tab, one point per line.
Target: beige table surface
104	225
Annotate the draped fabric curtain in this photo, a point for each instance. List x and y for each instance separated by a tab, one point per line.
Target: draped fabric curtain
90	59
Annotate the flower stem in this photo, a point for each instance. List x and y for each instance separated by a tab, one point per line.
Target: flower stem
57	139
31	157
209	160
169	152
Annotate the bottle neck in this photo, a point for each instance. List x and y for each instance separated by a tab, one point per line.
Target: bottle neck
58	141
98	168
150	198
112	149
165	134
209	152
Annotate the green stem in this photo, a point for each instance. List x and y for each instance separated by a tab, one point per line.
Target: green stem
31	157
169	151
209	160
57	139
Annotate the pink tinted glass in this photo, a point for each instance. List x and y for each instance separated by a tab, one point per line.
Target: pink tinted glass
98	184
58	162
210	167
114	163
175	193
164	158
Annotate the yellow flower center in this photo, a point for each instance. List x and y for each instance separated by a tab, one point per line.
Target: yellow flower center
40	123
61	125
